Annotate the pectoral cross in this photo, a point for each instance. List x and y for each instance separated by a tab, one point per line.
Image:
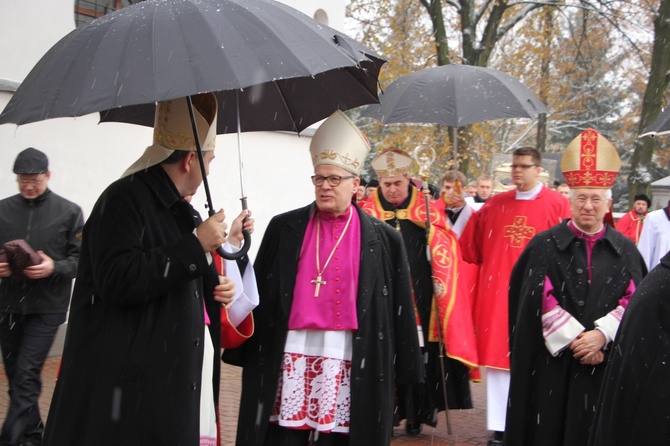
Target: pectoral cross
318	282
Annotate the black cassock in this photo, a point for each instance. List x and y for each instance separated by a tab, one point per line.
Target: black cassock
421	403
385	345
552	399
634	404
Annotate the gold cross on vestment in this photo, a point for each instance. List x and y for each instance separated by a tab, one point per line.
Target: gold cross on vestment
518	232
318	282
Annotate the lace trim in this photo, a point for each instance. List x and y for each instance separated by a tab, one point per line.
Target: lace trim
314	392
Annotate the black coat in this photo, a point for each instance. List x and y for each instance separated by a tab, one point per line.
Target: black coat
52	224
385	346
552	399
422	403
131	369
634	401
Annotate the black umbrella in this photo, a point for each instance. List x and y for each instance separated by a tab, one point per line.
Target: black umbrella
455	95
274	67
660	126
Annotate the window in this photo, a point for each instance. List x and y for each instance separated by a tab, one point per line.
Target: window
321	16
88	10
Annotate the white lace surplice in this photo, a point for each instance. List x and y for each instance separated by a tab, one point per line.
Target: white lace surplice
314	390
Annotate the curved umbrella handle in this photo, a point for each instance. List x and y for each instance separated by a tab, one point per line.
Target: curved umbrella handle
239	254
245	233
247	240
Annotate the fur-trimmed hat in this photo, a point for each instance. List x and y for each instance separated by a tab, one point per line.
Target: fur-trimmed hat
642	197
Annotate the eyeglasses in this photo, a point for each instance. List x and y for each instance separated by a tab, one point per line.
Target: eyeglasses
595	201
333	180
523	166
24	182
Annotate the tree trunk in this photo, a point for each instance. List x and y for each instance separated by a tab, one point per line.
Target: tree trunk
434	8
639	178
545	79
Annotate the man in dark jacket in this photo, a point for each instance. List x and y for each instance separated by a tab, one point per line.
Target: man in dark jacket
568	292
335	326
33	300
137	340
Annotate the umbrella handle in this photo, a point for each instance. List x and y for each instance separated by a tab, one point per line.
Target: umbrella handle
245	233
239	254
247	237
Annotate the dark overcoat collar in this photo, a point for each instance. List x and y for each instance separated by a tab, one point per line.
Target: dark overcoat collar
563	237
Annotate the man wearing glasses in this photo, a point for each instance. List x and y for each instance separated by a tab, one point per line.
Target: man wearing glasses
335	327
568	292
494	238
34	299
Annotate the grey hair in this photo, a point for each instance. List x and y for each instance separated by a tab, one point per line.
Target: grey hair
608	194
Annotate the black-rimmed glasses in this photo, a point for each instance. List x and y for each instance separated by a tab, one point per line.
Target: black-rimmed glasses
333	180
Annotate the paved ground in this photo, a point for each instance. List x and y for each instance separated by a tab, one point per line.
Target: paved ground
468	426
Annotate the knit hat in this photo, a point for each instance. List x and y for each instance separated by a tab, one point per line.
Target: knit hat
30	162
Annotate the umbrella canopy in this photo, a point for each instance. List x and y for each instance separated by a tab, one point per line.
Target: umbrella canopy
164	49
660	126
280	67
286	104
455	95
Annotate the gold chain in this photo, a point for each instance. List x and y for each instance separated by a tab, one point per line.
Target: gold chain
319	271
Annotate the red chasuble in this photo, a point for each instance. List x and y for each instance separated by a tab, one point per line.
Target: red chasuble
630	225
494	238
450	294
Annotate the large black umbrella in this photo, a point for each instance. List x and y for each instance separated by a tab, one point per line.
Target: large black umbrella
274	67
660	126
164	49
455	95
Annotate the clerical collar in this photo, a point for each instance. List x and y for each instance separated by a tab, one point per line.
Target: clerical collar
329	216
529	194
581	233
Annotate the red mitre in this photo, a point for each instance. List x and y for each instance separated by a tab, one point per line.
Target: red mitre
590	161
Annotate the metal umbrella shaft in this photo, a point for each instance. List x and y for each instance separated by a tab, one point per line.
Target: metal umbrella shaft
243	196
440	335
247	237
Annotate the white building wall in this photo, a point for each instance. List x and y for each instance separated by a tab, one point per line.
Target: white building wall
660	193
85	157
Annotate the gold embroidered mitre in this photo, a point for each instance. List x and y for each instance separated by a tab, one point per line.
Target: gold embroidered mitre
590	161
338	142
173	130
391	162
